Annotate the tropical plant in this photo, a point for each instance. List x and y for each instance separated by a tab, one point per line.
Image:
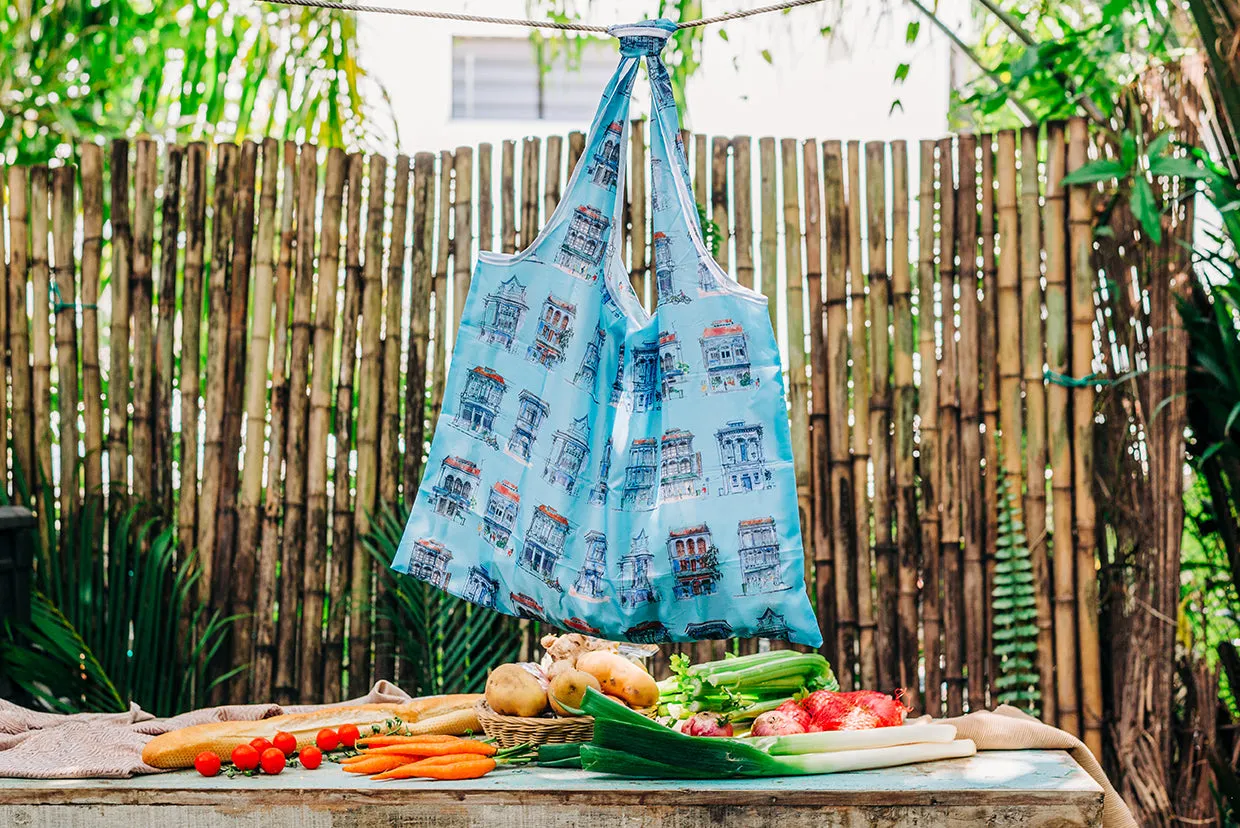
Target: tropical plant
1015	630
443	643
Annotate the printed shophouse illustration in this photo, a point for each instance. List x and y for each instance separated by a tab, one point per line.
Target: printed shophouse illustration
644	377
635	588
480	587
605	163
665	271
502	314
452	494
758	547
772	625
741	455
581	252
569	449
480	401
503	504
593	574
640	475
680	467
672	367
429	563
555	329
598	494
531	411
587	373
544	544
695	561
725	353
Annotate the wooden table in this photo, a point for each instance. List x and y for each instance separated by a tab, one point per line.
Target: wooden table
1010	788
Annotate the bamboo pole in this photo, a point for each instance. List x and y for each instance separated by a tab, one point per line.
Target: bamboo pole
1059	434
1080	239
262	570
839	464
216	359
769	230
949	433
270	591
551	179
91	158
292	564
367	428
700	191
885	557
929	456
191	341
462	236
141	288
719	195
1032	359
486	203
903	399
858	314
989	377
507	198
65	309
530	152
314	570
443	250
165	331
41	341
973	518
798	384
118	335
419	315
22	413
342	477
822	558
639	273
742	196
4	349
576	146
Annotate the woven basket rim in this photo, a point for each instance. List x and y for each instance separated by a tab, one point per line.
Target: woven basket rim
484	709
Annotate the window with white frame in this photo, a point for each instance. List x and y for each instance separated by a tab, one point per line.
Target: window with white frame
524	79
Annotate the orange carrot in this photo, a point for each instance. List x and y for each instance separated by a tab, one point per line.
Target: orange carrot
377	764
461	766
437	749
385	741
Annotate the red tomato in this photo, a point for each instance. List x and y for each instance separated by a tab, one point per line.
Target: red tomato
245	757
260	744
327	739
348	735
272	760
286	742
310	758
207	763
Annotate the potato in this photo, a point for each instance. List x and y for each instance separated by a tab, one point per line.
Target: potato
620	677
513	691
559	667
568	688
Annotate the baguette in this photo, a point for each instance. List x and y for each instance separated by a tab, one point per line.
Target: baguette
434	714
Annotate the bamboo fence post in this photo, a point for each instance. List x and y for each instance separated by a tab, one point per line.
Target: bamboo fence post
798	383
551	180
576	146
530	152
258	353
462	236
118	335
768	255
367	428
885	558
972	509
719	195
1032	359
165	331
443	250
4	349
903	399
342	476
272	550
1080	230
929	456
742	196
217	353
507	198
858	313
314	571
839	463
700	191
989	377
191	342
292	564
486	203
65	308
419	314
141	287
949	431
91	156
41	343
823	579
1059	434
22	412
639	274
234	569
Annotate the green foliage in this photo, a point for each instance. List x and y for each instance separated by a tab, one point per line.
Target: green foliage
72	70
1015	629
446	644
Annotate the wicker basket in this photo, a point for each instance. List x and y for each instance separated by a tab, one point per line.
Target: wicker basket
508	731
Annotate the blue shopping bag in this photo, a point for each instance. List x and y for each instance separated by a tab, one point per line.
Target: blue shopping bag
603	469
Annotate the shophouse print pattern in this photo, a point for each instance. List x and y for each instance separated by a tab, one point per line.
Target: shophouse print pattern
602	469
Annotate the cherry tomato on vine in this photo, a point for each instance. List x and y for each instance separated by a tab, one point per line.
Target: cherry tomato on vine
286	742
327	739
207	763
245	757
260	744
348	735
310	758
272	760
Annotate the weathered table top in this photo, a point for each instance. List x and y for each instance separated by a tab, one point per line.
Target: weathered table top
1021	788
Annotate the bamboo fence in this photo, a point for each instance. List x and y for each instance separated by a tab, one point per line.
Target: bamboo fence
275	322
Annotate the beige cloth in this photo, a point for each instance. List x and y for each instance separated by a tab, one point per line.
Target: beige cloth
37	745
1007	728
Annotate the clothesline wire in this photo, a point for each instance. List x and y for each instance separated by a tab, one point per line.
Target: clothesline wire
536	24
